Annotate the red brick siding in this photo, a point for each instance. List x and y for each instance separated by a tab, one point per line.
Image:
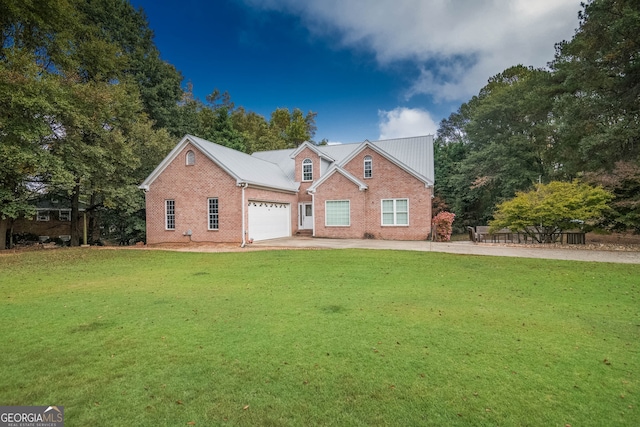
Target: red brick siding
190	187
388	181
337	187
306	153
52	228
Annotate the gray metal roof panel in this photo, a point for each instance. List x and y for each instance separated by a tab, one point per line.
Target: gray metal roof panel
281	158
414	153
247	168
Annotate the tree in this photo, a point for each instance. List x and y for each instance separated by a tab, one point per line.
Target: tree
550	209
498	143
293	128
597	107
257	133
157	81
71	99
624	182
451	147
32	37
123	211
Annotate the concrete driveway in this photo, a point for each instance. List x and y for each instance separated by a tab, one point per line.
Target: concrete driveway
466	248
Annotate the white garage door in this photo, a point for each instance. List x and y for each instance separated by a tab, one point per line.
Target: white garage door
269	220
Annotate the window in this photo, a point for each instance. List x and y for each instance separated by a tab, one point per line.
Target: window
65	215
213	213
368	167
395	212
307	170
170	214
337	213
42	216
190	158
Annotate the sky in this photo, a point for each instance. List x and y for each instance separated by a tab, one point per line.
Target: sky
370	69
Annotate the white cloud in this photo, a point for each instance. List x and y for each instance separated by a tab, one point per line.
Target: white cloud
403	122
456	44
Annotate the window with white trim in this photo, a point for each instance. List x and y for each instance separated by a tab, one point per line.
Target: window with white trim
65	215
170	214
190	158
42	216
307	170
213	213
337	213
395	212
368	167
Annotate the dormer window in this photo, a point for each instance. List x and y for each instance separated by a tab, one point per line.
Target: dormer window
190	158
368	167
307	170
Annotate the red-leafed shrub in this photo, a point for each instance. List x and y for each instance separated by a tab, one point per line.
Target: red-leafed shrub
442	226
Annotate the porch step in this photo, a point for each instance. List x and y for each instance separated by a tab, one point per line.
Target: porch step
305	233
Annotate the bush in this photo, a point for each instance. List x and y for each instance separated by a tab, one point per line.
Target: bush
441	224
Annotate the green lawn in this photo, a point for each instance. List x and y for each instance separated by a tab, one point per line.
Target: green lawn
336	337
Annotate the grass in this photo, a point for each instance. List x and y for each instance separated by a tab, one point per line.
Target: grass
351	337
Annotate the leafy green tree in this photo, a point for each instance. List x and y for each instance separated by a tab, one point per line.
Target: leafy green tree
212	120
498	143
624	182
551	208
25	165
71	130
450	148
31	36
293	127
257	133
122	211
597	108
157	81
223	131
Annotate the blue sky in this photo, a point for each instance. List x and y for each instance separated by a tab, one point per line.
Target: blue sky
370	69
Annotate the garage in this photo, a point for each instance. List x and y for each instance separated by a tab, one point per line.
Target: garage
269	220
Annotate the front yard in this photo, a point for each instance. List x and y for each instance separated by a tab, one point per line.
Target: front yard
341	337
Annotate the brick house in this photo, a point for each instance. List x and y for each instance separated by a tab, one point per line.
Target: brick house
205	192
51	221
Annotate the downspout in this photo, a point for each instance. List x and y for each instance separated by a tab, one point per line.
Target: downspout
244	227
313	209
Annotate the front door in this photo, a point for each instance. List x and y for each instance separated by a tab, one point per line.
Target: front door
305	221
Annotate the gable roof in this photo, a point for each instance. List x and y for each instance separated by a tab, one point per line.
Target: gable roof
337	169
413	154
243	168
315	148
276	169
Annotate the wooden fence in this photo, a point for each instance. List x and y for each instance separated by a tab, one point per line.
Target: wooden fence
481	234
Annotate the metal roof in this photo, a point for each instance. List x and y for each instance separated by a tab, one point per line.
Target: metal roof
281	158
245	168
241	166
415	154
276	169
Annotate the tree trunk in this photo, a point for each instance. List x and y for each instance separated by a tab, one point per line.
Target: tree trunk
3	232
11	242
75	212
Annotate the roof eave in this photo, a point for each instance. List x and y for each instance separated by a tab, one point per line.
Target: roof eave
262	186
337	169
313	148
427	182
172	156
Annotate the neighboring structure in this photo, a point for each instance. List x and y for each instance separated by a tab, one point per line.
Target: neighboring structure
205	192
51	221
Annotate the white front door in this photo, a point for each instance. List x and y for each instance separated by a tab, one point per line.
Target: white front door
305	216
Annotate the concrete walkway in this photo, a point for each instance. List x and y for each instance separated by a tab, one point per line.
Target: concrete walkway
466	248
